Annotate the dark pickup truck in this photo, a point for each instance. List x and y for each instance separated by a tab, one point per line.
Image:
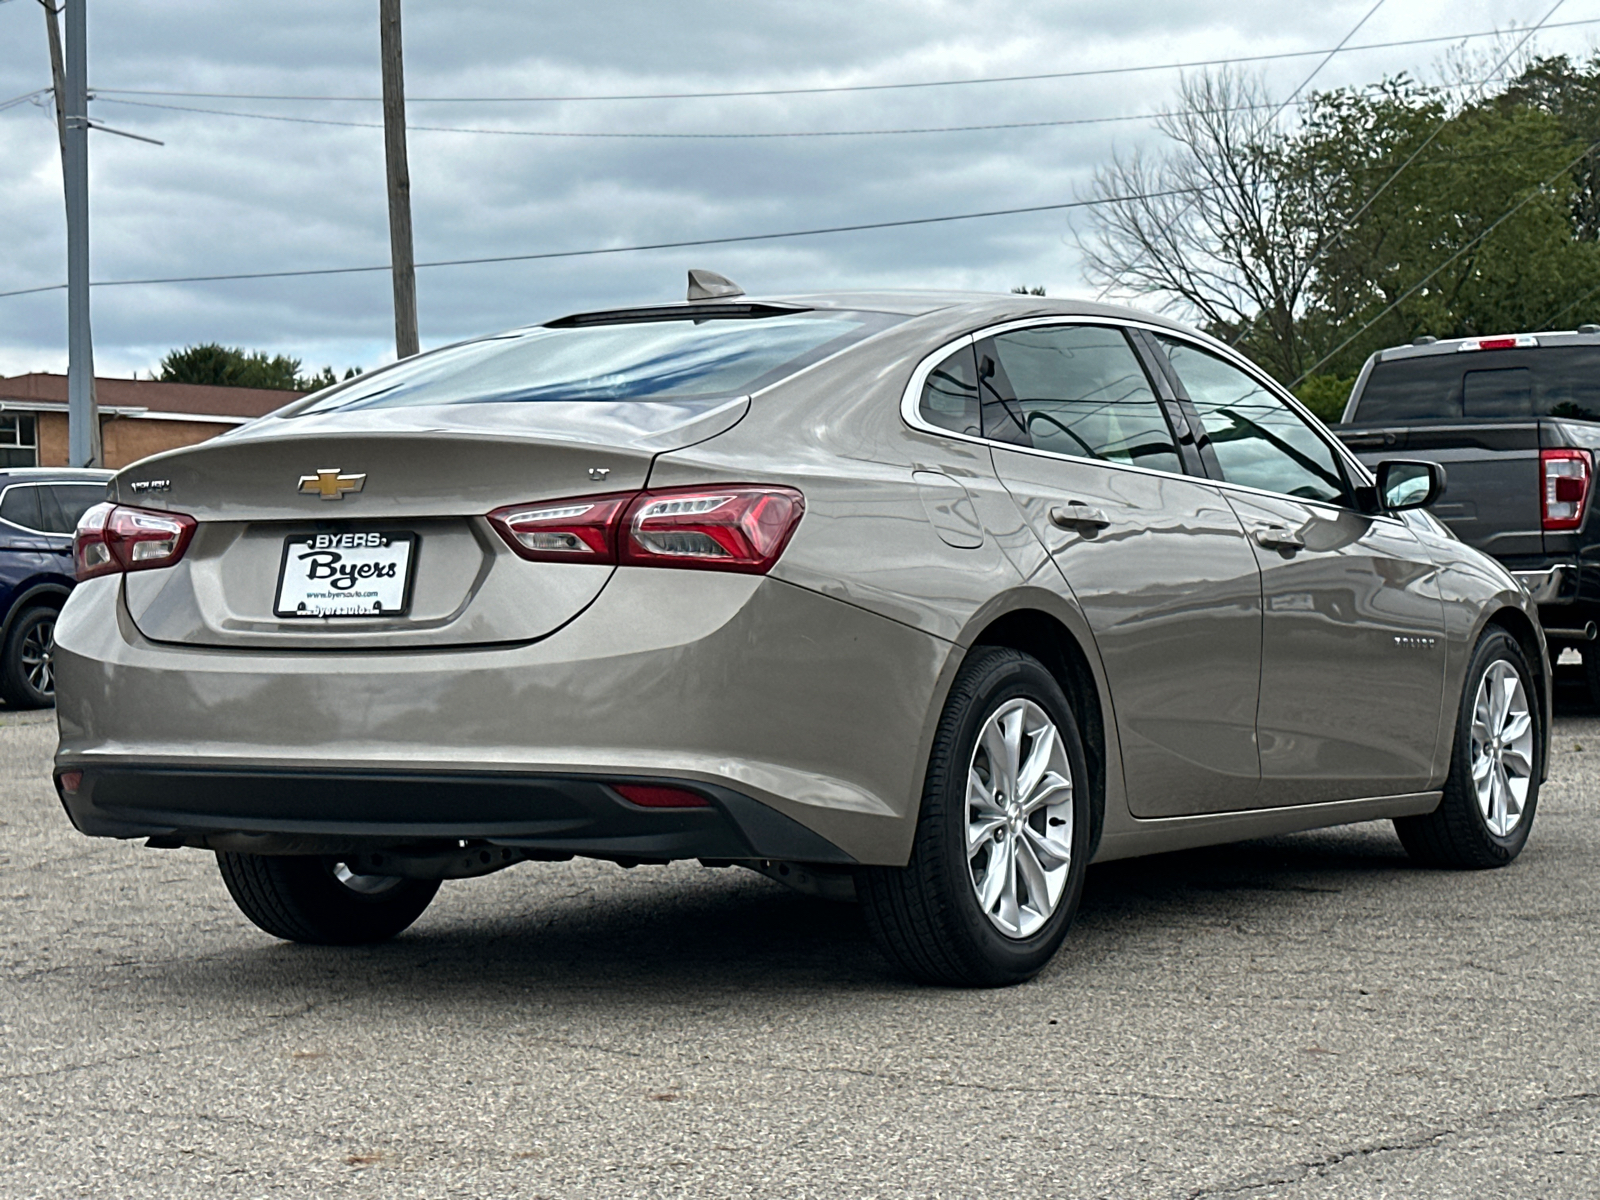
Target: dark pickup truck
1515	421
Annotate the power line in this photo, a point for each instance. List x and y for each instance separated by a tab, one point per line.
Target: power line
561	133
1550	321
1304	83
808	133
24	98
677	245
841	88
1426	142
1239	337
1419	284
55	287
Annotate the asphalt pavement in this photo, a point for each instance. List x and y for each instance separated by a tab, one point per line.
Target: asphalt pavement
1303	1016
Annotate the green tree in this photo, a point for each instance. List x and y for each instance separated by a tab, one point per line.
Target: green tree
1571	94
229	366
1325	395
1475	236
1390	212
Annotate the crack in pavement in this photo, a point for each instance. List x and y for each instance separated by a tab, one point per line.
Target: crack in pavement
1299	1172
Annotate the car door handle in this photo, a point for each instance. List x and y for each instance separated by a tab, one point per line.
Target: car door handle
1077	515
1279	537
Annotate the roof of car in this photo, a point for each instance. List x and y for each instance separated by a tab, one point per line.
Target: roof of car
1549	338
915	303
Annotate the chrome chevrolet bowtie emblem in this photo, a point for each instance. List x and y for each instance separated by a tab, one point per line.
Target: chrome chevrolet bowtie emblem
331	485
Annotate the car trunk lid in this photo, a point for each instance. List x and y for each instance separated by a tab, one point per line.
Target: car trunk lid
421	475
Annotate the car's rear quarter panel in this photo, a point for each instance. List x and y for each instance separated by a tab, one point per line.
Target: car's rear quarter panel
836	433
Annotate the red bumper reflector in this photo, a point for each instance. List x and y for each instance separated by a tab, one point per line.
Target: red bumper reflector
651	796
70	781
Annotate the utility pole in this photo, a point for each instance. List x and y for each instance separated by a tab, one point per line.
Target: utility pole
83	421
401	261
58	73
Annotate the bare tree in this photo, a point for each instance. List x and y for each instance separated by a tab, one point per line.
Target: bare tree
1216	227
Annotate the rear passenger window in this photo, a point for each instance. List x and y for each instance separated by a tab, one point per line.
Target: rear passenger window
20	506
950	397
63	503
1074	389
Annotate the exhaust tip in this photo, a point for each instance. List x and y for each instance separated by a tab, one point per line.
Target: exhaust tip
1587	633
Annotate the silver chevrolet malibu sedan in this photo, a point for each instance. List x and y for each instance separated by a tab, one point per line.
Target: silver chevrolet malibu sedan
929	599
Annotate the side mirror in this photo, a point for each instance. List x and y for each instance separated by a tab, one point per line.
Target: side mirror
1404	484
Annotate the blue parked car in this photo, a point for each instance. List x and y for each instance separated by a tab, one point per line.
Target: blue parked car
39	509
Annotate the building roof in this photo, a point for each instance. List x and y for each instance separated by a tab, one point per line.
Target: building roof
193	399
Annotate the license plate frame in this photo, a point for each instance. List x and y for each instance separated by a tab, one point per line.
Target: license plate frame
345	544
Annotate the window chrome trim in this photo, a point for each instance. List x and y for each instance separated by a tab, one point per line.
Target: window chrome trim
911	399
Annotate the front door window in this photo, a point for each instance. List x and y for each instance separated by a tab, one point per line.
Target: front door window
1258	440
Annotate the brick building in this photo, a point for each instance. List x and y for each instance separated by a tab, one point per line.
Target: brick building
138	417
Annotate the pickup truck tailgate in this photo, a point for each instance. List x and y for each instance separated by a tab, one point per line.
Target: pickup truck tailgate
1491	500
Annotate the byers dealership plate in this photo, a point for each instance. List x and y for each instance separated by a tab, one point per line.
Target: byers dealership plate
346	575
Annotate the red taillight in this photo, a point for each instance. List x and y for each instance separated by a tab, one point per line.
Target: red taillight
655	796
1565	477
742	527
111	539
579	530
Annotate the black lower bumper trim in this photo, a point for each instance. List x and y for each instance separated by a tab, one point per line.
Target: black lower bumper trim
556	814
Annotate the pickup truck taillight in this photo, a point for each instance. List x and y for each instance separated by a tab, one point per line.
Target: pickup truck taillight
1565	475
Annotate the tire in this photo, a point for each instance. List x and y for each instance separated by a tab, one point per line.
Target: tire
1460	833
304	899
928	916
27	678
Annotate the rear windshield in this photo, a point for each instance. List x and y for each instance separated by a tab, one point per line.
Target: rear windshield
1548	381
674	360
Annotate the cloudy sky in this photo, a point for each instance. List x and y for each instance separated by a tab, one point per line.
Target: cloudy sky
238	194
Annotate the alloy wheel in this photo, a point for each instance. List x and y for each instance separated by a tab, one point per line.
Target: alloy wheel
1019	818
1502	747
37	652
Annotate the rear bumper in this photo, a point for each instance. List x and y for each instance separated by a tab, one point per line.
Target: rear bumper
1555	584
343	811
1567	596
754	690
